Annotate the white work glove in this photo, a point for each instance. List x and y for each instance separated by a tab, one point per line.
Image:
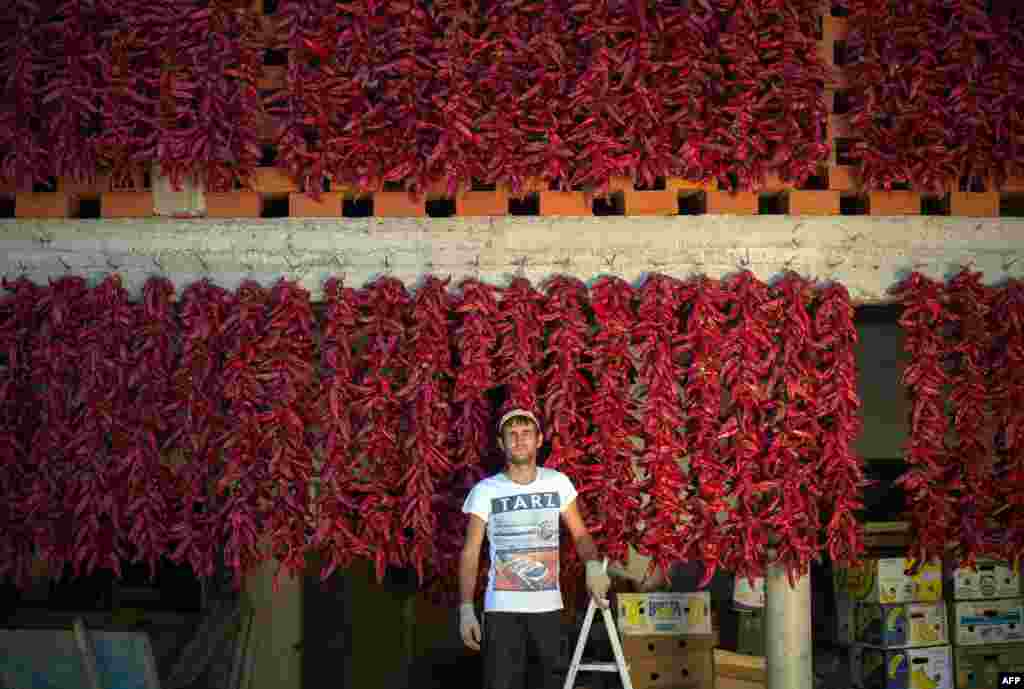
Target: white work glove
598	582
469	626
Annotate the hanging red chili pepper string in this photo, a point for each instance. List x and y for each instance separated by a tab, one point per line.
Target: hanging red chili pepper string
143	433
565	390
841	470
930	482
1007	325
710	505
664	531
791	459
336	508
289	393
748	356
427	395
521	340
55	378
968	310
381	367
473	429
245	488
613	413
199	423
19	419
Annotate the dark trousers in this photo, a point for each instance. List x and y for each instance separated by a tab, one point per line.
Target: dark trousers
510	638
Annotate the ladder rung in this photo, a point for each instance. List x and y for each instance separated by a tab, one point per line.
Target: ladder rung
599	667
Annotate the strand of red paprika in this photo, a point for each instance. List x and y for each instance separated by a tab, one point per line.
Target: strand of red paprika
385	305
970	302
612	412
154	346
927	481
520	334
427	393
335	509
708	504
748	356
475	342
19	417
246	486
199	419
664	531
791	458
1008	325
291	393
840	469
564	393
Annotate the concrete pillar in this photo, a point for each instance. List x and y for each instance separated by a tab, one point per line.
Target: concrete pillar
788	631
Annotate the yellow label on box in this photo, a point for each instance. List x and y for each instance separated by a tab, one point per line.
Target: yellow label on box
664	613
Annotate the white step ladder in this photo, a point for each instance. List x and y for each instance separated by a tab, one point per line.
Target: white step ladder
619	665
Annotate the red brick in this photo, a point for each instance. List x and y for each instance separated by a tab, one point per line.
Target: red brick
126	204
651	202
272	180
50	204
773	182
974	204
93	189
894	203
234	204
302	205
731	203
814	203
843	178
481	203
129	180
621	184
568	203
398	204
680	184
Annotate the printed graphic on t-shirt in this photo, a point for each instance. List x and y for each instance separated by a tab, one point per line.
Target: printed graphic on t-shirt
527	570
524	534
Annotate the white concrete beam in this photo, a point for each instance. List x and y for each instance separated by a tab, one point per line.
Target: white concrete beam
867	254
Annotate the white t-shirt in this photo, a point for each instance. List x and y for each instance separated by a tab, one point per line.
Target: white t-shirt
522	527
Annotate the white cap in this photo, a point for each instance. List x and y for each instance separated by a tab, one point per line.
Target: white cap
518	412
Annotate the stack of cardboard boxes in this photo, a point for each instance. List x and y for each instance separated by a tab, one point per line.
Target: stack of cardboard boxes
668	639
896	625
985	621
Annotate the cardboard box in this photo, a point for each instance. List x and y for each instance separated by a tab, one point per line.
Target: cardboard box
694	669
739	671
901	625
976	623
911	668
991	580
646	647
978	667
665	613
883	581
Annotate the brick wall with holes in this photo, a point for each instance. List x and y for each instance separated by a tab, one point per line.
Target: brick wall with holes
835	190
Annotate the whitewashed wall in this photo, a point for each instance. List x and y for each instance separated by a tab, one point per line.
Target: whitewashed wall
868	254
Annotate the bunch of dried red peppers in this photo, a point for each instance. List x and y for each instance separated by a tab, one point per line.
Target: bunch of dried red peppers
703	419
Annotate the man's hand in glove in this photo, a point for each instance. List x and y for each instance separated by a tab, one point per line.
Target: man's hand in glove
469	627
598	582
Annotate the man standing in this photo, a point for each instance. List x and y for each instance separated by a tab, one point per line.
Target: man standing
519	510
